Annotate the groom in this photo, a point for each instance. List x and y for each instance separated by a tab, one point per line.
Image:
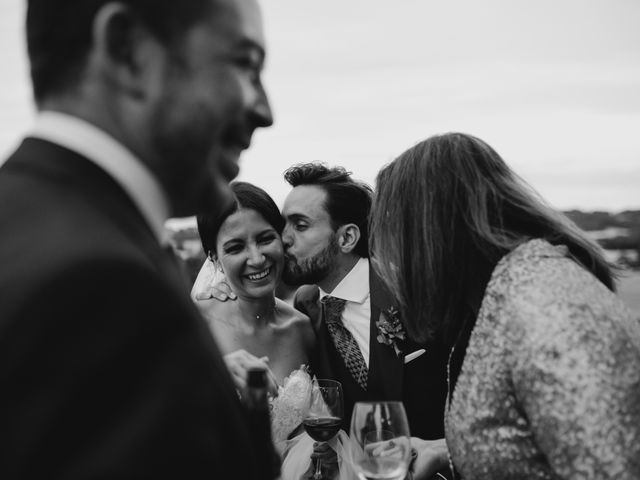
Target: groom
360	339
326	251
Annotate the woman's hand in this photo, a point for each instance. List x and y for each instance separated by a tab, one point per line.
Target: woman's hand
322	452
241	361
432	457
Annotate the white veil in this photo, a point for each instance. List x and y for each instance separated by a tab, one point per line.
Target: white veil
208	276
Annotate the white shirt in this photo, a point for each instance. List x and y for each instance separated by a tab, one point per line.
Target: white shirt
356	317
106	152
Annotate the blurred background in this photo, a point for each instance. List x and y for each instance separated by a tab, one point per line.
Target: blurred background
553	86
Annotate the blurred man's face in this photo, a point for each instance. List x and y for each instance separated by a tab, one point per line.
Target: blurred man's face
310	243
210	100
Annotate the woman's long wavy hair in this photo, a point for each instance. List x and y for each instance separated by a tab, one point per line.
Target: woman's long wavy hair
444	213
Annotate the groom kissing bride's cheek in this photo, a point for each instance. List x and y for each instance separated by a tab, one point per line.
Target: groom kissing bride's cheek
359	339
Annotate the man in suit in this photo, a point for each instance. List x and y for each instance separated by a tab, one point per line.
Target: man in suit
106	368
326	250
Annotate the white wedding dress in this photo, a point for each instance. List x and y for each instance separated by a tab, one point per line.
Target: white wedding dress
288	409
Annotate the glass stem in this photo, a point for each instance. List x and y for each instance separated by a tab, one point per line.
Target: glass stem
318	474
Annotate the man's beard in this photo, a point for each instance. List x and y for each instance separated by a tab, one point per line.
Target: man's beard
311	270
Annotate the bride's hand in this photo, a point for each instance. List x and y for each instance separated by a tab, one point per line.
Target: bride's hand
220	291
241	361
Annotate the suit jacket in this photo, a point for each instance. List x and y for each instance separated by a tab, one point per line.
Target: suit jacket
420	384
106	368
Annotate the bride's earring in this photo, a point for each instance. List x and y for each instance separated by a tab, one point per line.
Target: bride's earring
215	262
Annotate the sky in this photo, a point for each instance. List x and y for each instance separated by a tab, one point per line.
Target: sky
552	85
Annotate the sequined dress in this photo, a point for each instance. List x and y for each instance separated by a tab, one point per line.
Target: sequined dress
550	383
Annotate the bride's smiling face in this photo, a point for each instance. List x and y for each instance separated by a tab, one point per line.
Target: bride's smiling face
250	252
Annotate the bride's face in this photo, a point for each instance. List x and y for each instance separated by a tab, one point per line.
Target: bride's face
250	252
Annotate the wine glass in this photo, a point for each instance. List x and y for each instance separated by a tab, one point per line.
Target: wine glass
380	441
324	418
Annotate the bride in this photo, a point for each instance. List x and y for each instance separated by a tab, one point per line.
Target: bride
258	329
244	247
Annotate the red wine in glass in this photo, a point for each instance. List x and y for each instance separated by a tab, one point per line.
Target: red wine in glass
322	429
324	417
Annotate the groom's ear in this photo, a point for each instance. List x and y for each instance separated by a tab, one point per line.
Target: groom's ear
348	237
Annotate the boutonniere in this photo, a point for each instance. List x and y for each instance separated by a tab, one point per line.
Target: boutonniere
390	330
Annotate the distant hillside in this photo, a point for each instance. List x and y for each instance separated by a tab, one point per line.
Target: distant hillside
617	233
603	220
186	233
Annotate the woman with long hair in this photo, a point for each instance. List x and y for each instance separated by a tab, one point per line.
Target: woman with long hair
544	370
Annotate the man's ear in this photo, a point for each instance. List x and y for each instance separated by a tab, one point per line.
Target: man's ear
124	49
348	236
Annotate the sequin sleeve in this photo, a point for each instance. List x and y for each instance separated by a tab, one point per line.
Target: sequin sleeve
575	362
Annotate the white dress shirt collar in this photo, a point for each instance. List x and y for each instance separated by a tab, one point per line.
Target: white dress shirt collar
354	287
102	149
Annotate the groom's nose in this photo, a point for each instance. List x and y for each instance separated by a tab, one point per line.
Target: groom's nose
287	238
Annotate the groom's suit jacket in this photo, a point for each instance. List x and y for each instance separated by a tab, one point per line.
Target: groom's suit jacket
106	368
419	384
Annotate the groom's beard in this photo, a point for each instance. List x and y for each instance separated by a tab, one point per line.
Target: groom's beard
311	270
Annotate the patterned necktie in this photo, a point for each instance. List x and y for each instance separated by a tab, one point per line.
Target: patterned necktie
343	340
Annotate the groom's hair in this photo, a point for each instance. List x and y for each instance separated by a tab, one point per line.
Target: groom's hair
348	200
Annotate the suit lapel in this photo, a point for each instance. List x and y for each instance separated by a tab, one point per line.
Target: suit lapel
385	368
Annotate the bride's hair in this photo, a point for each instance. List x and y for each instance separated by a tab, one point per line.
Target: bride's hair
246	196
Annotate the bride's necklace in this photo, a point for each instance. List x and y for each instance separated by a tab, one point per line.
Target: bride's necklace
271	311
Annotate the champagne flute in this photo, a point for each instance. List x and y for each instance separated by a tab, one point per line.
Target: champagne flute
380	441
324	418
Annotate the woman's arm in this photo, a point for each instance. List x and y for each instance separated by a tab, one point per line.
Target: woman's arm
576	374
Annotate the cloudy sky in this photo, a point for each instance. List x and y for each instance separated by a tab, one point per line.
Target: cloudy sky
552	85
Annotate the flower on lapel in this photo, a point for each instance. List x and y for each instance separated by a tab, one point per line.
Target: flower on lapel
390	330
